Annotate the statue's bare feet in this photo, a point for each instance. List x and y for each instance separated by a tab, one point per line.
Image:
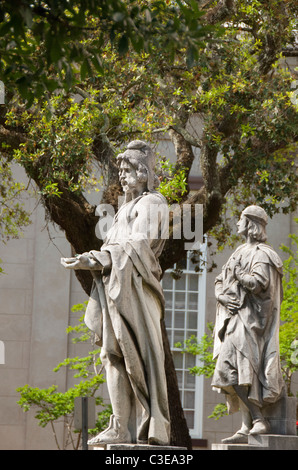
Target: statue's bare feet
114	434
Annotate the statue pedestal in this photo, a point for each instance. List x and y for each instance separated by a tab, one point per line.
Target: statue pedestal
135	447
282	416
282	419
263	442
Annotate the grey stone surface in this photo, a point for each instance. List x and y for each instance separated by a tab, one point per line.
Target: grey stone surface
263	442
135	447
275	442
282	416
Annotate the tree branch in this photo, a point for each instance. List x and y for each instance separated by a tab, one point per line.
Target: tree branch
183	149
186	135
11	138
222	11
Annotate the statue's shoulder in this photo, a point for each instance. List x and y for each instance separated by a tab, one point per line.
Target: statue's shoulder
153	197
266	254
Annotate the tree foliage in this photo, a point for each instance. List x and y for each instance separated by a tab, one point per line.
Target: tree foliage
232	102
12	212
54	36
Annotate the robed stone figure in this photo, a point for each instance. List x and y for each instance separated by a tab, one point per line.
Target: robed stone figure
246	334
126	306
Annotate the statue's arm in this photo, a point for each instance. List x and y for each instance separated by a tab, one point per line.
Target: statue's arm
256	280
218	286
93	260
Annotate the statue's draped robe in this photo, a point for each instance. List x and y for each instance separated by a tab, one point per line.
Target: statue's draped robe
246	344
126	306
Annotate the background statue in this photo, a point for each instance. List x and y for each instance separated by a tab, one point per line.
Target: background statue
126	306
249	294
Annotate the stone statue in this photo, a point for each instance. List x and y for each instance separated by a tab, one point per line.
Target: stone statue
126	305
246	334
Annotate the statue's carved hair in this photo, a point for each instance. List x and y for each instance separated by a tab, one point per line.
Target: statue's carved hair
256	230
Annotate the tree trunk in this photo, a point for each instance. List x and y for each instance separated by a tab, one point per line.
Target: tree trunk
179	429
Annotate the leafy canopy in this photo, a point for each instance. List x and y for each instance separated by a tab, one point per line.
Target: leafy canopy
43	44
230	99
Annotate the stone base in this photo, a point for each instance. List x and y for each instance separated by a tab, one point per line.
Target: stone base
282	416
263	442
134	447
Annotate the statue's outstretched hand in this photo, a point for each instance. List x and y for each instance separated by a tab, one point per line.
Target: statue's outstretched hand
83	261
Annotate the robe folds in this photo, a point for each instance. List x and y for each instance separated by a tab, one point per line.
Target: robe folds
126	306
246	344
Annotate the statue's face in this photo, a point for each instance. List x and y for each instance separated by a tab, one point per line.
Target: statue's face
242	225
128	177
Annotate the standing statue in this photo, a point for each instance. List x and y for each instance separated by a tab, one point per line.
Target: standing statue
249	294
126	305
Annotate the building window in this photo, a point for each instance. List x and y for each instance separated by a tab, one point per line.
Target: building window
184	317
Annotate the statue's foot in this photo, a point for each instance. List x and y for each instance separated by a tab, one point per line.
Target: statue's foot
111	437
260	426
114	434
237	438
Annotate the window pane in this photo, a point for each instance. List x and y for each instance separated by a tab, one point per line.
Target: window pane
179	378
192	320
178	337
189	380
180	300
189	416
189	400
168	318
190	361
192	301
178	359
180	283
193	280
179	319
167	281
168	298
191	265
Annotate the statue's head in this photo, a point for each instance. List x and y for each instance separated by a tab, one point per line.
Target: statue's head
142	158
257	220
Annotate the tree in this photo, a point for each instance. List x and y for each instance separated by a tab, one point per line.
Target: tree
230	98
